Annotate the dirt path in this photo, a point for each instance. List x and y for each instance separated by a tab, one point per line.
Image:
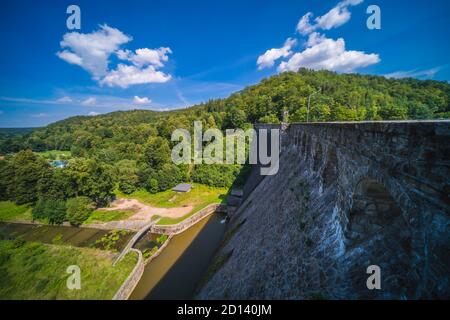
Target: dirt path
145	212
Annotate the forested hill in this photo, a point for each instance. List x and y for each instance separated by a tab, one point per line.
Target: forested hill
351	97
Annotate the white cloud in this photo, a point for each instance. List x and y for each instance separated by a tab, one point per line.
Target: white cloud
89	101
64	99
304	26
39	115
268	59
334	18
145	56
314	39
429	73
126	75
92	51
70	57
141	101
319	51
93	113
329	54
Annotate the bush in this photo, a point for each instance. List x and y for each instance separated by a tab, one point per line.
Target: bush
38	211
161	239
56	211
127	187
216	175
79	209
152	186
52	210
167	177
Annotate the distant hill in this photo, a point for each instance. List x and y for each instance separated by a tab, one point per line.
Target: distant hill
334	97
11	139
15	131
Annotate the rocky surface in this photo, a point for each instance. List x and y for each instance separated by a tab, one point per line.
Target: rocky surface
347	195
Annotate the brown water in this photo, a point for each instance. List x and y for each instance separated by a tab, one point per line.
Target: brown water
78	237
176	272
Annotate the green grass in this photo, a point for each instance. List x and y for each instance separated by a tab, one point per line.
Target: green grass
32	270
100	216
55	154
199	197
10	211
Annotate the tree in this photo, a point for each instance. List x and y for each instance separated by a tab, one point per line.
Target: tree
157	152
25	171
39	210
56	211
55	184
299	115
152	185
79	209
169	176
270	118
52	210
217	175
235	118
92	179
5	175
127	176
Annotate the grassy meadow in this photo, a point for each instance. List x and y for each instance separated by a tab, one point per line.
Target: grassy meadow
32	270
10	211
199	197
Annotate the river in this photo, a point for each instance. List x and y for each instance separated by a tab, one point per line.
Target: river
176	272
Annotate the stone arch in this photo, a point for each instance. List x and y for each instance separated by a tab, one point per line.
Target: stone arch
378	231
330	172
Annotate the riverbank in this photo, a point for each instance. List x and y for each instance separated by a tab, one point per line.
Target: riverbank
32	270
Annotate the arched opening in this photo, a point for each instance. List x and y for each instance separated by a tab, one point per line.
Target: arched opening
373	209
377	230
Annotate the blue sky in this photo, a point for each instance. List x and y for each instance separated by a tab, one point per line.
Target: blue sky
162	55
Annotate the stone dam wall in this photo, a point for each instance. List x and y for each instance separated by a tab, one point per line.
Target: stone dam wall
346	196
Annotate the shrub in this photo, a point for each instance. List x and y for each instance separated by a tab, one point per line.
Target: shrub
161	239
79	209
56	211
152	185
216	175
52	210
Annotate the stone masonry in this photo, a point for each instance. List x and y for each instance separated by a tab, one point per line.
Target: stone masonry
347	196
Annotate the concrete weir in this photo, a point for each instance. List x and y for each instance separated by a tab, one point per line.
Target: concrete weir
348	195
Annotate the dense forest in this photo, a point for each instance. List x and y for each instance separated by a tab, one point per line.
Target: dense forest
131	149
337	97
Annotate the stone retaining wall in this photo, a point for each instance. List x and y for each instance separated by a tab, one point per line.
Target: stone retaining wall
160	249
130	283
173	229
